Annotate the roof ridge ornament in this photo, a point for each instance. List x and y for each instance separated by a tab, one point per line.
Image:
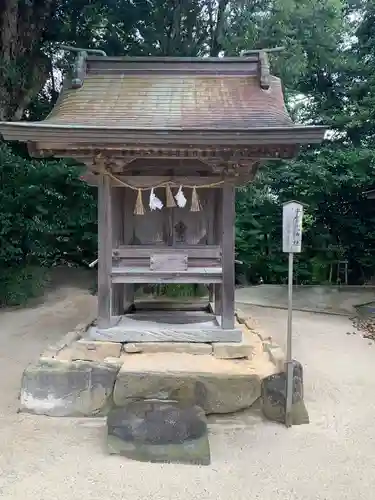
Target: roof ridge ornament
79	66
264	64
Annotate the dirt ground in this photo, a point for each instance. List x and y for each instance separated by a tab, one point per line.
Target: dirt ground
331	459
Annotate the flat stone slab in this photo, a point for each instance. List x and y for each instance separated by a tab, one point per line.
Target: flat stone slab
166	326
60	389
89	351
155	431
217	386
176	347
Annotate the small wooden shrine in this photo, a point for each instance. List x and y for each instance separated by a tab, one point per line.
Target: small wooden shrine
167	140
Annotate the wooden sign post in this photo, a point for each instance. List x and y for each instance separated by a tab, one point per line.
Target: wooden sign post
292	242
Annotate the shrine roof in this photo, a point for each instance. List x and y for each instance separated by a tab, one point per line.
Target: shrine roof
176	100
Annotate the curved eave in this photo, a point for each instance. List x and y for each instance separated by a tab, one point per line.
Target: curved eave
78	134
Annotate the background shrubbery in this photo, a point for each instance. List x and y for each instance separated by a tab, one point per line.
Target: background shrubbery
47	217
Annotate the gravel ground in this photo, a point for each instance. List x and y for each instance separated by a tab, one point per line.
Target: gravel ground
65	459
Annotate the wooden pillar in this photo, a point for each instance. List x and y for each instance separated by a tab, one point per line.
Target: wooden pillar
228	231
209	214
217	299
129	198
218	239
117	197
104	252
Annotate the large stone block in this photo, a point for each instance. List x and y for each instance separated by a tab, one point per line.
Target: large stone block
217	386
274	397
159	432
62	389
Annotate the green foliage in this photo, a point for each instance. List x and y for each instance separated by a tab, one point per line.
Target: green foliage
47	215
182	290
328	70
175	290
339	222
19	284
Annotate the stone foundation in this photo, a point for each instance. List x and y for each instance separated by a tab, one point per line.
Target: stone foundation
86	378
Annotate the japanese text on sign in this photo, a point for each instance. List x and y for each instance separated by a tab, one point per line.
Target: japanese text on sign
292	227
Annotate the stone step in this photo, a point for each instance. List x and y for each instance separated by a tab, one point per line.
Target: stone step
159	432
216	385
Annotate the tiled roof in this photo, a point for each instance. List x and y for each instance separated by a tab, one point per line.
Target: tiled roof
167	101
156	101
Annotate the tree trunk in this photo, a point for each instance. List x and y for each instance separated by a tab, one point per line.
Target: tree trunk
9	21
23	67
216	45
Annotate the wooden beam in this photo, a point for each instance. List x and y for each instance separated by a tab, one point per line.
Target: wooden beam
143	275
192	251
149	181
104	252
145	262
281	144
228	219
